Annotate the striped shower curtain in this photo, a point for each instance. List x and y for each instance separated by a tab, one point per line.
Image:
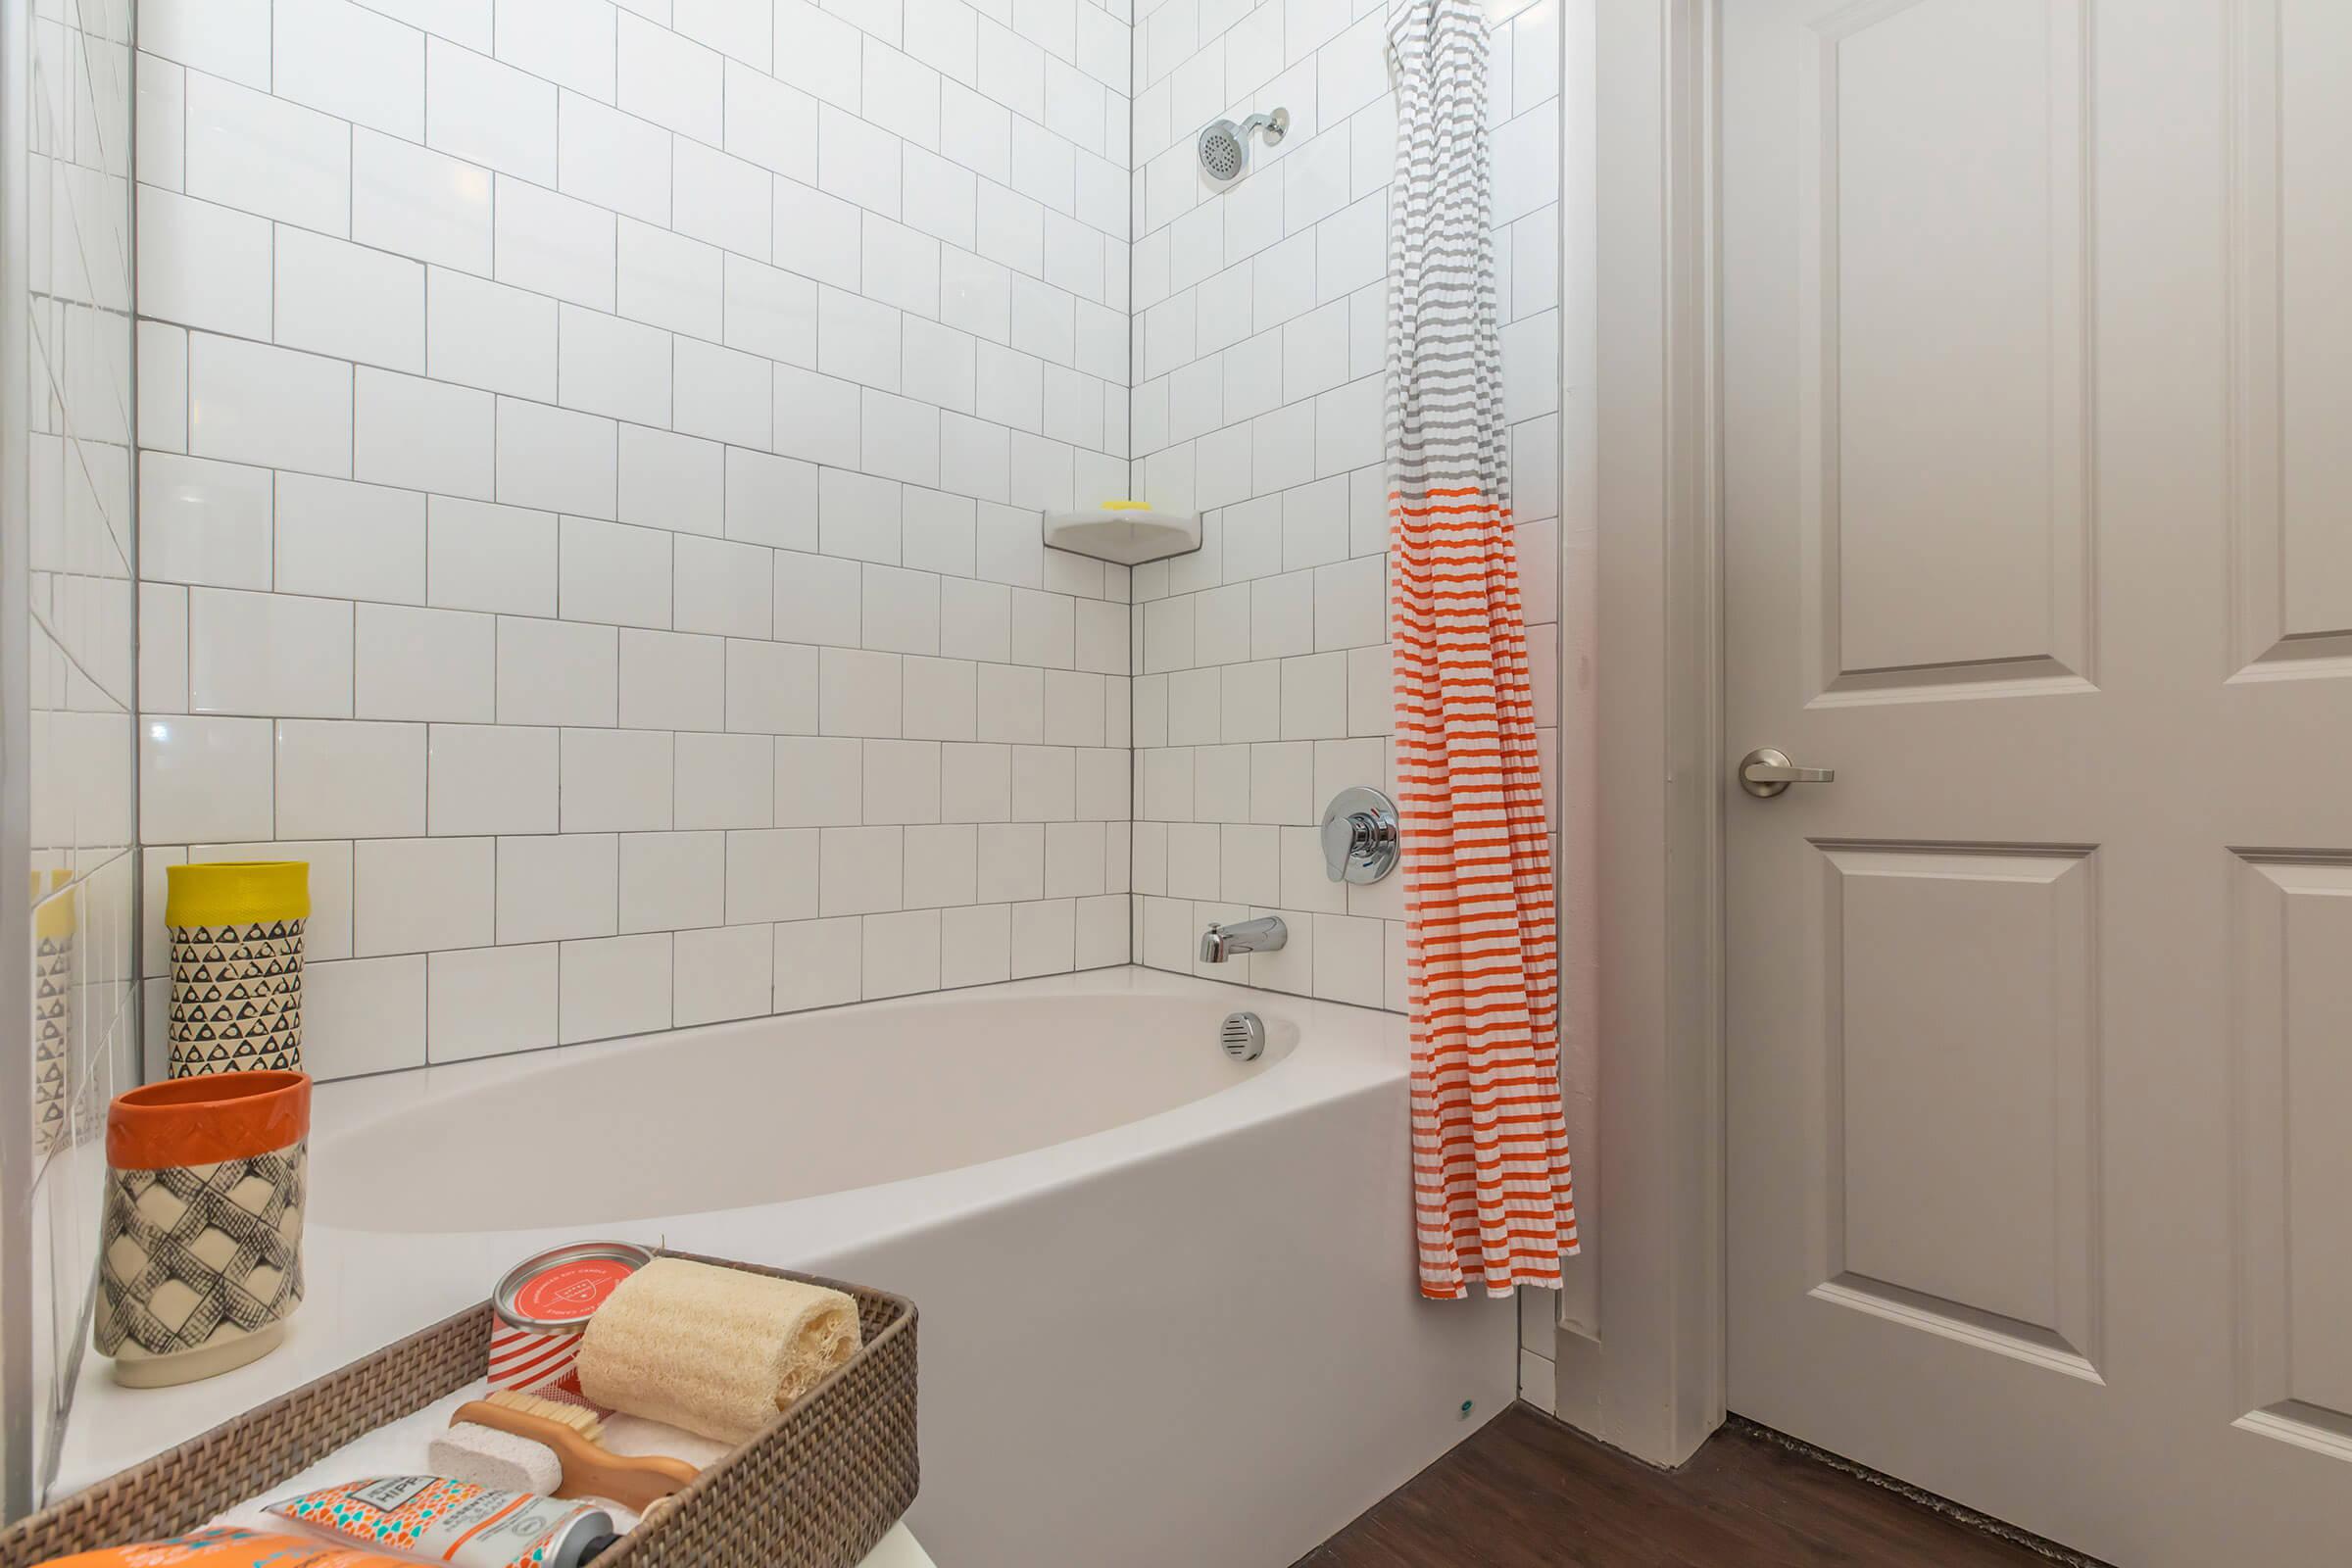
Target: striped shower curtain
1492	1197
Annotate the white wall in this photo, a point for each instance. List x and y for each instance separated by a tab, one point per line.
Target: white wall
76	546
1263	680
591	465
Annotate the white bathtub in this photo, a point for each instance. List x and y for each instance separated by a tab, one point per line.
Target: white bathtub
1168	1310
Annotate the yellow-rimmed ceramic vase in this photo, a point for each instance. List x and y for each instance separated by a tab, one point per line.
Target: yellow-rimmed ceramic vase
54	923
237	965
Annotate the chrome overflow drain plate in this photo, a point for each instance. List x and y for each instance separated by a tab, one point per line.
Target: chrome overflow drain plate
1244	1036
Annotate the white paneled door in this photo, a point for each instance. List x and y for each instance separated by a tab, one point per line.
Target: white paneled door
2038	421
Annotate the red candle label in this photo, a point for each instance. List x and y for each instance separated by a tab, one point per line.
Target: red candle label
571	1292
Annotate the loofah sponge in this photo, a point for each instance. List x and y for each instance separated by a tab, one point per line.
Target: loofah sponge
491	1458
715	1350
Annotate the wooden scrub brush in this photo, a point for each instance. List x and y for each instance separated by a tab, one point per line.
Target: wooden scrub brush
590	1469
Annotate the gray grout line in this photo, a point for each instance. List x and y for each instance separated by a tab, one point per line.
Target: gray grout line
615	419
561	87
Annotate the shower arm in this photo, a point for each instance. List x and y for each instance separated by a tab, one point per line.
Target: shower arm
1275	125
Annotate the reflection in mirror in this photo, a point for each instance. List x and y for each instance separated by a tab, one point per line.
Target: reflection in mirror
71	542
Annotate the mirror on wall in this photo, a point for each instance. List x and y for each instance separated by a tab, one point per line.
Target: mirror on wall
68	565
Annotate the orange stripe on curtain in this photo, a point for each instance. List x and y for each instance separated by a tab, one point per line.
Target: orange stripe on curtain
1494	1197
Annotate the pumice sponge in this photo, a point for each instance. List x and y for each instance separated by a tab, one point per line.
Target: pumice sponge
500	1460
717	1351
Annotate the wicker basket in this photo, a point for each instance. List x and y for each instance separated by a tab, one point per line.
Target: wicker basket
818	1489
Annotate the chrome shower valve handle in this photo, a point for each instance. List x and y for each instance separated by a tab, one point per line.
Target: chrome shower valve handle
1360	841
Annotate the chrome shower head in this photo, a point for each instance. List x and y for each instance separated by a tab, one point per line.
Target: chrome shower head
1225	146
1223	153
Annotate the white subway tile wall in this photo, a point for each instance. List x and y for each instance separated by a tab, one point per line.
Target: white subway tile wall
593	452
591	465
1261	682
72	532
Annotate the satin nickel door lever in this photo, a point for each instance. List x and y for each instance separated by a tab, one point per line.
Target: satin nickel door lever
1765	772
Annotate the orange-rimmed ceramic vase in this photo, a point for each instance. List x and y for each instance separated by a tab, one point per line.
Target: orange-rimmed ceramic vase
200	1248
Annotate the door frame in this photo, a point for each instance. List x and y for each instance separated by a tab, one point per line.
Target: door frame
1649	1377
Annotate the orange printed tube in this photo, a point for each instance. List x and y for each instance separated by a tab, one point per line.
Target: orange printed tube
226	1546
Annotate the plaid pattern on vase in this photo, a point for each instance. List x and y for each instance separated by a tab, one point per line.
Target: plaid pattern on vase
192	1255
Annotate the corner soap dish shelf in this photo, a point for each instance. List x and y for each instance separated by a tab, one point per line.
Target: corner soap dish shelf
1124	535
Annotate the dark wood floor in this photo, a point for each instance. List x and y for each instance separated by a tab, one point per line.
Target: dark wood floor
1529	1493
